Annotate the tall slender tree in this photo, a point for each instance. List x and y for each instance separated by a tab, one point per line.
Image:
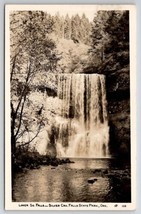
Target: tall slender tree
29	47
67	27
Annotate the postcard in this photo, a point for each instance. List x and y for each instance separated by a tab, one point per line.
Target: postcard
70	107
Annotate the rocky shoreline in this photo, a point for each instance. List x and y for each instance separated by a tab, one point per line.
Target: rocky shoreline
30	163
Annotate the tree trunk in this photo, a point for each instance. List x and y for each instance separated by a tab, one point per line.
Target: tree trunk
13	143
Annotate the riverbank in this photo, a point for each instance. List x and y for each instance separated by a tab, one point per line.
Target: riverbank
22	161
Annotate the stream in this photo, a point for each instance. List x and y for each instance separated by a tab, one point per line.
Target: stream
69	182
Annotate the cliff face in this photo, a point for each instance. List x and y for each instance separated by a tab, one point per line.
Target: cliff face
118	96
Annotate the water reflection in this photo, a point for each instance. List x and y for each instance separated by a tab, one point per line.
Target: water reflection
65	183
91	163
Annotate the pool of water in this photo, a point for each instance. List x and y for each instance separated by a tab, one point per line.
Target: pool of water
69	183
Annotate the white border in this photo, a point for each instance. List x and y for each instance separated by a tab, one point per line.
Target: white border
9	205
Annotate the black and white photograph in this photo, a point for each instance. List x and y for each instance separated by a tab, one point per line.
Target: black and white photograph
69	107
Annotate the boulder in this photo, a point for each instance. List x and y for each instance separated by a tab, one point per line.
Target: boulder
54	164
105	171
92	180
53	168
97	171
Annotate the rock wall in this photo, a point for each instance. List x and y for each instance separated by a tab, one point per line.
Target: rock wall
118	96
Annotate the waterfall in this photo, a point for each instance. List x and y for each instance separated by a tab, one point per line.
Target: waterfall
82	125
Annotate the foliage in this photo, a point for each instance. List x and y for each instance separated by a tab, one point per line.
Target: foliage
110	40
74	56
76	28
23	159
31	51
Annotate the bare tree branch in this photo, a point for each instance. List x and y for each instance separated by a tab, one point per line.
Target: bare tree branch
27	143
24	90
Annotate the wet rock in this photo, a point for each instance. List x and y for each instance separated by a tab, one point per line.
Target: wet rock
34	166
101	172
97	171
105	171
44	162
71	162
38	167
66	160
54	164
92	180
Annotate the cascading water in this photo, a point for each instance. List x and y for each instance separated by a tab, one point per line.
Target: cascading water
83	124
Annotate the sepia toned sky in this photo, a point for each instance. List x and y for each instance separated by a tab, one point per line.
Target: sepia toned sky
89	10
70	9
